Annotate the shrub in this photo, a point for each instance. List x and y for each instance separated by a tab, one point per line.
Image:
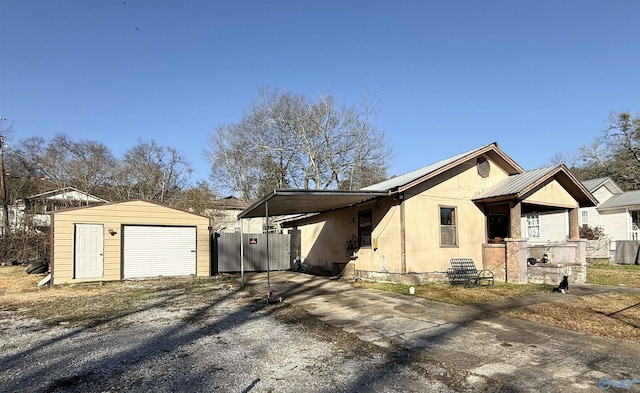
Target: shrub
589	233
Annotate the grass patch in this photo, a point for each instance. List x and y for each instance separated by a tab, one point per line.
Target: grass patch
617	275
459	294
100	303
611	315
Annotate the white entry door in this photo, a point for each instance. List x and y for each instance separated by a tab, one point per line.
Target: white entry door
88	251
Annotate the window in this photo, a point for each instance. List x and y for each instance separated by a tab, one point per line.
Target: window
365	225
448	226
533	225
498	226
585	217
635	219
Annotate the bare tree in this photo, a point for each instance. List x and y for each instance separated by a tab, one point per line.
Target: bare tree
286	140
615	154
83	164
198	199
235	162
151	172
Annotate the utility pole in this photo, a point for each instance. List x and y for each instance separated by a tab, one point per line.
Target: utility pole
3	190
3	186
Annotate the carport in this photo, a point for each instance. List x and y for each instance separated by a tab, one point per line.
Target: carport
298	202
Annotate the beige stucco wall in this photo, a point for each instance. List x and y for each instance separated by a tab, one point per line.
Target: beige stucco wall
453	189
386	257
113	216
323	237
552	192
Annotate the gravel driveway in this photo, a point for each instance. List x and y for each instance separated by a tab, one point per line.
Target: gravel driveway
232	343
326	337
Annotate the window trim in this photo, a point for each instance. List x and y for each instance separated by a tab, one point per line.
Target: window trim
361	213
530	217
584	217
442	226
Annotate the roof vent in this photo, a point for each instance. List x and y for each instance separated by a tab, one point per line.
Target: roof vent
483	167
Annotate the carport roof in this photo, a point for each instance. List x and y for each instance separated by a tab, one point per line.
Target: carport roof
296	201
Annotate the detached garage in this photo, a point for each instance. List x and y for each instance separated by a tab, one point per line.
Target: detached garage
131	239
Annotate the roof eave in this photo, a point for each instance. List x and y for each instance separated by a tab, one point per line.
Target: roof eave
493	147
367	195
583	196
496	199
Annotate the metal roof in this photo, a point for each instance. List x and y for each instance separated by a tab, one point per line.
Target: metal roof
593	184
401	180
411	178
296	201
626	199
519	186
68	193
283	202
516	184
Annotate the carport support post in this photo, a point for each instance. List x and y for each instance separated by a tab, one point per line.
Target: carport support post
241	255
266	214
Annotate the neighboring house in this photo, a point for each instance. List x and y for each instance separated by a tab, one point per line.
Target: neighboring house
620	216
129	239
408	228
602	189
224	217
33	211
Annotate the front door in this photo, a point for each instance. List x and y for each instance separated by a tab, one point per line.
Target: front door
88	259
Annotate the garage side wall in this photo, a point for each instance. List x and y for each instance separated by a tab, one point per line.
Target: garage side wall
113	217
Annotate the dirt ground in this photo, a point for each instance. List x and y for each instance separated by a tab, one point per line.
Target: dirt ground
611	315
187	335
210	335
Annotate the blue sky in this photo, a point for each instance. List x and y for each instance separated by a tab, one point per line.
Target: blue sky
538	77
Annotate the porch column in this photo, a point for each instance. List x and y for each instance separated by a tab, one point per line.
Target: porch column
574	227
516	261
515	211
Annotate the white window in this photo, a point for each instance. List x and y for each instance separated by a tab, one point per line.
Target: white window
533	225
584	217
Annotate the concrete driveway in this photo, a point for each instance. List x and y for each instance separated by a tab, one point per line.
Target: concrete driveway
522	355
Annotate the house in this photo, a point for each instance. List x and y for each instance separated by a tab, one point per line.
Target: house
130	239
602	189
224	217
618	214
409	227
32	212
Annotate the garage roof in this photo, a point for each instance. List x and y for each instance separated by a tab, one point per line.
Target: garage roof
295	201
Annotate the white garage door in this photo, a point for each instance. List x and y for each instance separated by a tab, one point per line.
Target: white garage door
151	251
